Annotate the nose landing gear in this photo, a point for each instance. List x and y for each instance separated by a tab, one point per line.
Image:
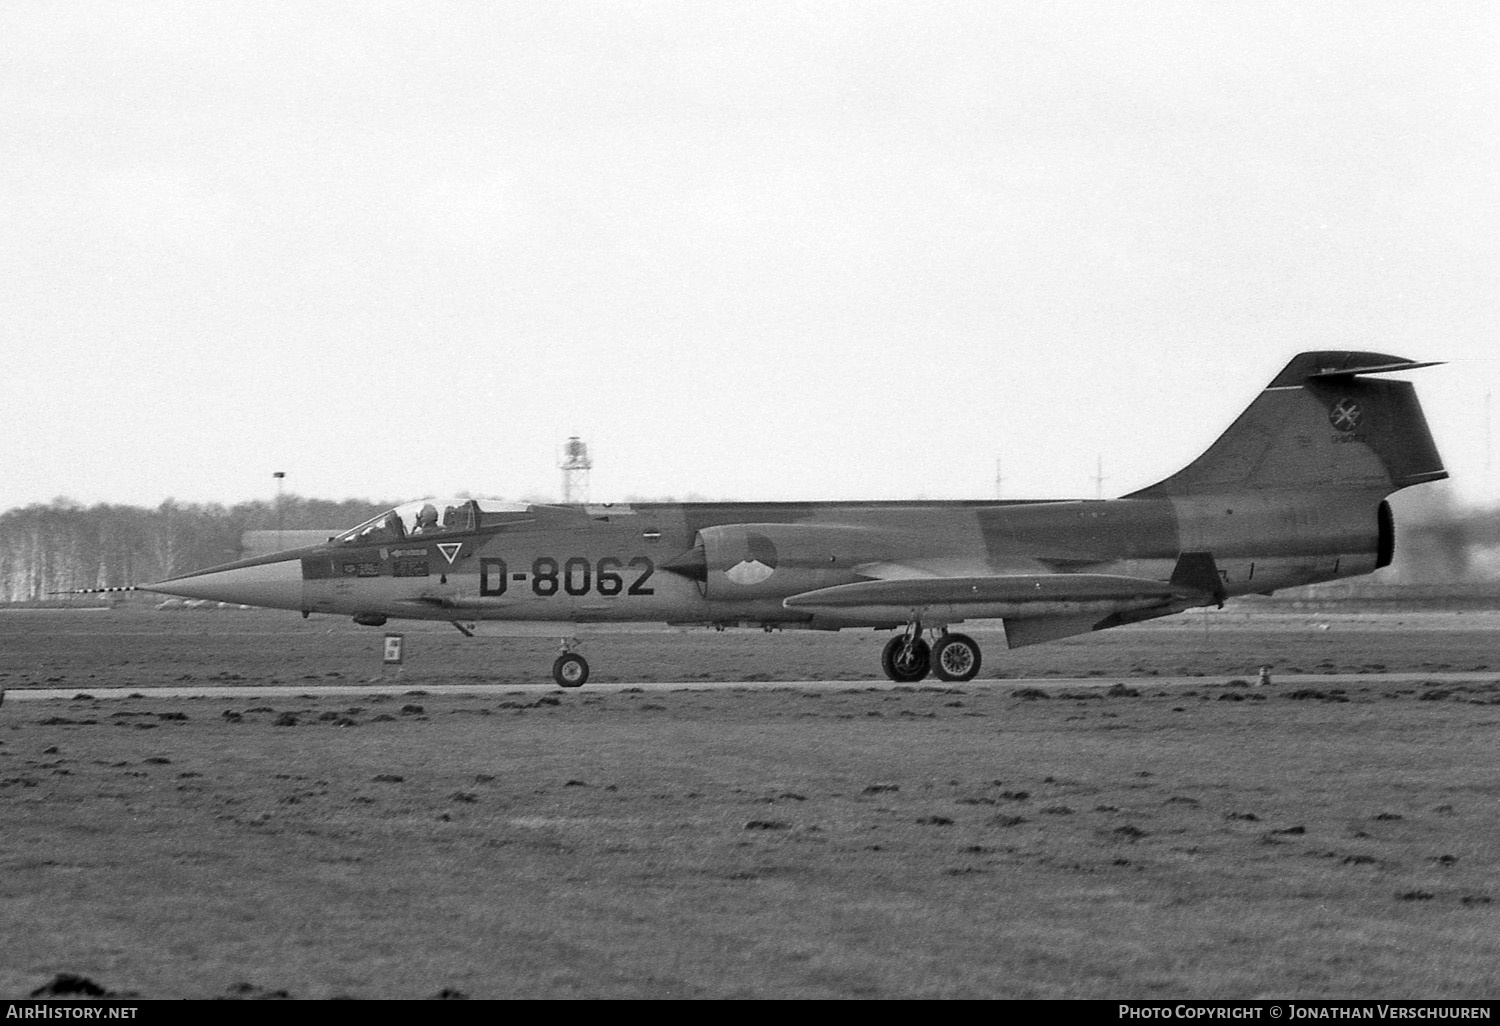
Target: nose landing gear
570	669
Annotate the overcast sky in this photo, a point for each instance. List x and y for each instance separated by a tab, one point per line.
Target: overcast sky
745	250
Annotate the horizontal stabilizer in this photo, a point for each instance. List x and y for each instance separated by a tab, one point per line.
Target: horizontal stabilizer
1339	366
1378	368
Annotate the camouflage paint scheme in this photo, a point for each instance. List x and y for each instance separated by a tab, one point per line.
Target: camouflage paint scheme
1292	493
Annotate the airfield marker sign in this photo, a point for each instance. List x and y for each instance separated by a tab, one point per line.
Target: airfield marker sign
393	649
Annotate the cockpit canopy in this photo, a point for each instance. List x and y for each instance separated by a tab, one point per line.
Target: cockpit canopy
425	518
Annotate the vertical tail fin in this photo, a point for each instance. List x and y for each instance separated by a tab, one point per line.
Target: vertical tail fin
1322	422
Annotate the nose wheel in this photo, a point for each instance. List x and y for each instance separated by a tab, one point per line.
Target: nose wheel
569	669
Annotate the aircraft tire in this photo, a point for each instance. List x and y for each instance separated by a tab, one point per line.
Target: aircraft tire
955	658
905	665
570	670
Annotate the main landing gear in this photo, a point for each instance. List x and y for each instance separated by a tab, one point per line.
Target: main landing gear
907	658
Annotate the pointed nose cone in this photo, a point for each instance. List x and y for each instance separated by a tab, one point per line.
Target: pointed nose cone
276	583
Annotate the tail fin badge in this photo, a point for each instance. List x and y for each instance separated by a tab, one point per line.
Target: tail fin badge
1345	415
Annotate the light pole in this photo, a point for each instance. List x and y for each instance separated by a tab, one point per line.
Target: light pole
280	476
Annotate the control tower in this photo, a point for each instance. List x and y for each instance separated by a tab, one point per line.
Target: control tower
575	467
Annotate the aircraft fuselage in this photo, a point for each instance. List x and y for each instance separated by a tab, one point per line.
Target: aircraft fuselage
1292	493
627	563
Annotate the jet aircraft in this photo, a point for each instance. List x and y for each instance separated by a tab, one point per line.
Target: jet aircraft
1294	492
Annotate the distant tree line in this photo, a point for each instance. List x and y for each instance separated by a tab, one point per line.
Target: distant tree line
63	545
1442	541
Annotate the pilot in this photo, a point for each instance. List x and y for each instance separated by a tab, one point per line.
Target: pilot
450	517
426	520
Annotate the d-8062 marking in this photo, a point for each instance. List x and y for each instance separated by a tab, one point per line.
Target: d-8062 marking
576	576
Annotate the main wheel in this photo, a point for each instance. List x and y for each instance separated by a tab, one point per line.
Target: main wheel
955	657
570	670
904	660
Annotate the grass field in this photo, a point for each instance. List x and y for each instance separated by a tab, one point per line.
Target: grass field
984	840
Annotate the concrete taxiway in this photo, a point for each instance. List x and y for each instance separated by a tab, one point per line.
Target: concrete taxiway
384	686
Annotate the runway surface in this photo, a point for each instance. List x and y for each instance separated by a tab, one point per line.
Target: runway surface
386	686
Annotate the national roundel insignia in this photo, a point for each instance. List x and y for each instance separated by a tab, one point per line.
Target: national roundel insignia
1345	415
758	563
